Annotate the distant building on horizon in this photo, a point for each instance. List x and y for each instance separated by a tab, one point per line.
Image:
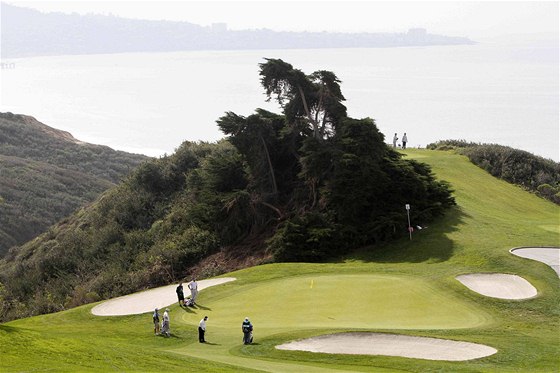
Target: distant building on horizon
219	27
417	35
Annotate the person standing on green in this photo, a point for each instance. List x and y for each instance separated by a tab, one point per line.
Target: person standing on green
155	319
202	329
165	324
247	329
180	295
193	287
404	141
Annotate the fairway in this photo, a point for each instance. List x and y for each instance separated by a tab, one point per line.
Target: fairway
342	301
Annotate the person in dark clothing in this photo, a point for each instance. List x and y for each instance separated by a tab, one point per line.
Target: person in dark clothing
202	329
180	295
247	329
155	318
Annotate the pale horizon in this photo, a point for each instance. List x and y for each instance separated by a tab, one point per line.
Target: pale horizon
479	21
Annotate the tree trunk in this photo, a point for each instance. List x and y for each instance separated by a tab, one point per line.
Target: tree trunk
273	178
316	132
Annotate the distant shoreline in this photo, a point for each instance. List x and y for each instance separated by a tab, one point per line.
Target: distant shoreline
74	34
16	58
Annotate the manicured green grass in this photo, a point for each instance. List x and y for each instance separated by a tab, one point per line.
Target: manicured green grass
405	287
346	301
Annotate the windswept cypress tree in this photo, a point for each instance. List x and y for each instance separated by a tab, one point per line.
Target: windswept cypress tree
342	186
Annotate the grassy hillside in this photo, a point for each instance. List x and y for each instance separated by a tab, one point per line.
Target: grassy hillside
405	287
531	172
46	174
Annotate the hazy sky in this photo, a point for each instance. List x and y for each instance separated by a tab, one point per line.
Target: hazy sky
474	19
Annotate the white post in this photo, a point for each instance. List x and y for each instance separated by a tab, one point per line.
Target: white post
407	206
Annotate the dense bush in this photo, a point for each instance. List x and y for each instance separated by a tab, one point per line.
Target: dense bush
515	166
451	144
309	237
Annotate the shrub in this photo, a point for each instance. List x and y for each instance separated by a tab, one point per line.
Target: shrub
310	237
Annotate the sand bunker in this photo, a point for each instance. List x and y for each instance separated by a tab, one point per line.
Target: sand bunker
547	255
499	285
391	345
146	301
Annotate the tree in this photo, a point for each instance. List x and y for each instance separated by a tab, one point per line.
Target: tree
316	97
328	107
252	136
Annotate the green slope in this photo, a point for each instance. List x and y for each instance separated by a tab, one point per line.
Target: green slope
46	174
404	287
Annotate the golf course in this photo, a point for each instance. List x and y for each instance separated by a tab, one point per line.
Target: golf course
400	288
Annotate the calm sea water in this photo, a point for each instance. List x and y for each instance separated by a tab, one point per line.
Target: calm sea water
151	103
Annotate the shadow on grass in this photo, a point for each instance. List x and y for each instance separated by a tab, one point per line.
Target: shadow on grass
202	307
430	244
170	336
8	329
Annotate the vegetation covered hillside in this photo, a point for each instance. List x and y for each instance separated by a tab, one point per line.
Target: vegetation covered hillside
305	185
529	171
46	174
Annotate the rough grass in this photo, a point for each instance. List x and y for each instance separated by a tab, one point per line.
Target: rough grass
406	287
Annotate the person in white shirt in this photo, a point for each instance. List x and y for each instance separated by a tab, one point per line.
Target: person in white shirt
404	141
193	286
395	139
202	329
165	323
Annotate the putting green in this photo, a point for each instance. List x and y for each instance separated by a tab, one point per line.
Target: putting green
323	301
343	301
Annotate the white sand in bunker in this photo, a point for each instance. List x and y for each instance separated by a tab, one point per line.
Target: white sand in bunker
499	285
547	255
147	301
391	345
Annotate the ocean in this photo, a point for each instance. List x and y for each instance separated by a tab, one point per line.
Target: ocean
150	103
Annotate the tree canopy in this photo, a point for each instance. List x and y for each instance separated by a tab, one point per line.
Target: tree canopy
316	98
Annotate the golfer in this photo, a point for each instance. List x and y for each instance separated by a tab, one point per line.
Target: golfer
247	329
193	286
155	318
180	294
165	323
202	329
